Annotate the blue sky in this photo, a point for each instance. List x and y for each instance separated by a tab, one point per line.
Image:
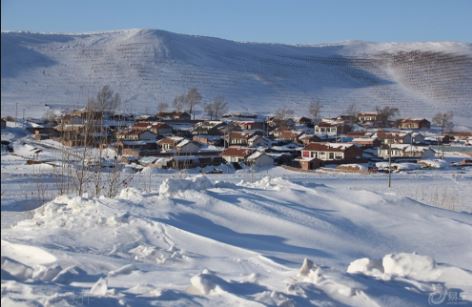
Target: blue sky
282	21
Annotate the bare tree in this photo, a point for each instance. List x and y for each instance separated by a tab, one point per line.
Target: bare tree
193	98
351	110
162	107
86	134
314	109
385	114
106	101
216	108
179	103
282	115
444	120
50	116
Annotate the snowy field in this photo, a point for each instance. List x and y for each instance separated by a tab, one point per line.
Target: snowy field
252	237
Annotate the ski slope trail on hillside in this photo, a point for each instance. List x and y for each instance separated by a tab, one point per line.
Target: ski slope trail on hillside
151	66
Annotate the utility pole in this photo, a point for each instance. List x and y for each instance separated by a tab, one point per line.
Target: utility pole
389	164
16	114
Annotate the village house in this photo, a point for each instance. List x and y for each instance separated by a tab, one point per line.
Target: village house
307	139
135	134
394	137
306	164
44	133
367	117
413	123
214	140
244	138
327	129
405	151
332	152
305	121
178	144
3	123
236	154
259	159
174	115
192	161
288	135
250	124
464	137
161	129
81	134
366	142
136	148
208	128
80	126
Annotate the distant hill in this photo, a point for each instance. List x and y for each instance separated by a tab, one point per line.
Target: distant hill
148	66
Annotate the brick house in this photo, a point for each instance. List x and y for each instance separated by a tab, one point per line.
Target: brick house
335	152
236	154
413	123
394	137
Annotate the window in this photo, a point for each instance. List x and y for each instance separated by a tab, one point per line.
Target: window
331	155
338	156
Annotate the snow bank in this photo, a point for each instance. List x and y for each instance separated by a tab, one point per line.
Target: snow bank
434	163
398	166
172	186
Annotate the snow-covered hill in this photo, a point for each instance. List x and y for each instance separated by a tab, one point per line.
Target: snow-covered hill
149	66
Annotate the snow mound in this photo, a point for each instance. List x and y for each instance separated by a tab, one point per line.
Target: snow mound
131	194
267	183
417	269
206	282
26	254
100	288
172	186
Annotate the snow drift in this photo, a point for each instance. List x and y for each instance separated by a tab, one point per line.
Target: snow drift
199	242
